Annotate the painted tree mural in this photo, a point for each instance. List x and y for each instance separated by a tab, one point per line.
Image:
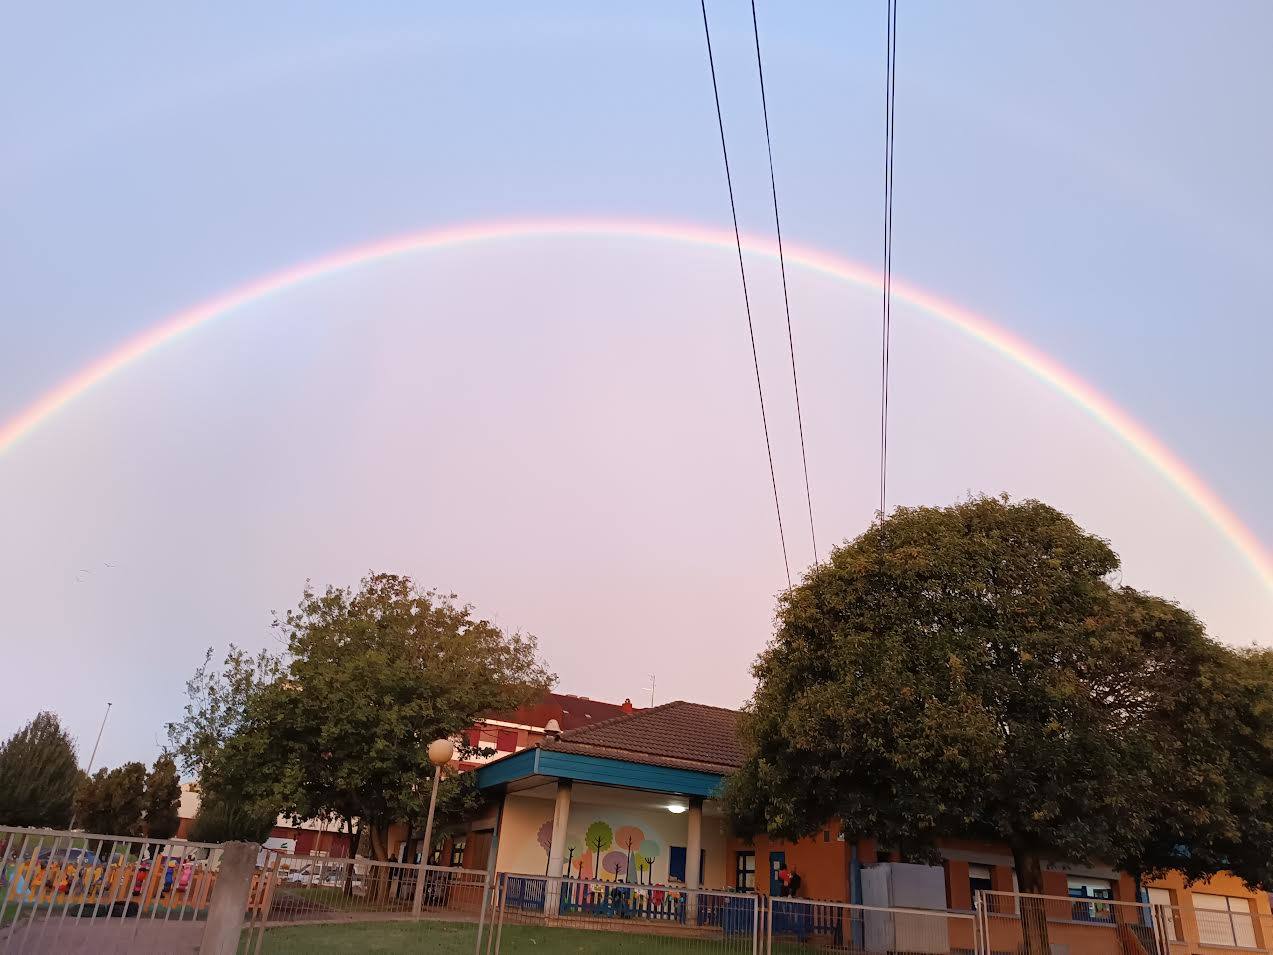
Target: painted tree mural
649	850
574	849
627	839
599	838
615	863
545	838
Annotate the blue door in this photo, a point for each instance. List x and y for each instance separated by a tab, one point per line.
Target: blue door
776	861
676	863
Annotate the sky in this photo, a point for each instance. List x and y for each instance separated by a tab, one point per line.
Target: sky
562	428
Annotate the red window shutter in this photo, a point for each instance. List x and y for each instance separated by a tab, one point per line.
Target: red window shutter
506	741
473	736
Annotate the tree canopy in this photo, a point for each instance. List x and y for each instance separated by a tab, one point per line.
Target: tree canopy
340	724
38	775
971	671
163	799
113	801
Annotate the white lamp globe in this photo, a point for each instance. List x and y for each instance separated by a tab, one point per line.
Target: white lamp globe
441	751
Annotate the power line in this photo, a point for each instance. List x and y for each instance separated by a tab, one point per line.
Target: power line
742	271
782	266
890	96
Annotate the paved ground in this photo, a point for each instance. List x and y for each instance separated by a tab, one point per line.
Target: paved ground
101	935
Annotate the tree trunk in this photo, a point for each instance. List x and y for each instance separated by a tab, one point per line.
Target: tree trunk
1034	915
378	877
353	851
406	858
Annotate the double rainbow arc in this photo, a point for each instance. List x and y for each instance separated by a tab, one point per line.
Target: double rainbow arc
1133	434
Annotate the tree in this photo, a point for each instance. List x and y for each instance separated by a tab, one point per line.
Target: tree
372	678
598	838
112	801
220	821
163	799
38	775
1211	810
629	839
969	671
649	851
217	705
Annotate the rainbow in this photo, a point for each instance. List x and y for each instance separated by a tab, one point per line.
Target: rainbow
1134	435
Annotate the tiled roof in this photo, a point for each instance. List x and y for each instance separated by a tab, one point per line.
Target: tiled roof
678	735
568	710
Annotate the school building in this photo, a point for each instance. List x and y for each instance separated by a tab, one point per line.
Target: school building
634	799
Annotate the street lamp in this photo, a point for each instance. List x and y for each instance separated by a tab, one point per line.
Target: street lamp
440	753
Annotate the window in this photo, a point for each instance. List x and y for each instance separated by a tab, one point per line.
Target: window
435	857
1224	920
1163	905
1082	887
457	852
506	741
979	880
745	871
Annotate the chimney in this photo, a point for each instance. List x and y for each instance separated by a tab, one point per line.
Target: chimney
627	706
553	729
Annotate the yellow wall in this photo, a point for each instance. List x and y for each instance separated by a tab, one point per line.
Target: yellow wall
520	850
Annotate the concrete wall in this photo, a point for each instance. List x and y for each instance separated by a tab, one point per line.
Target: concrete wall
523	836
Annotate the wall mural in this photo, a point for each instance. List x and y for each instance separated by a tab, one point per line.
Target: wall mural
625	853
614	843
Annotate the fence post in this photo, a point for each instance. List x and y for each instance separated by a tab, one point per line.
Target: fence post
980	930
229	899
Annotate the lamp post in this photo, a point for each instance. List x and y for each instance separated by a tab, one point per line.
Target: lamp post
440	753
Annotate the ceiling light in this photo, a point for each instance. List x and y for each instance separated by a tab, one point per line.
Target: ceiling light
676	807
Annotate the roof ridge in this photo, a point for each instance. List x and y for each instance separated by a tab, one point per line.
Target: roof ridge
615	719
708	706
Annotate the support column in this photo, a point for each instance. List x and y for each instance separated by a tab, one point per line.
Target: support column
557	851
694	844
693	855
230	900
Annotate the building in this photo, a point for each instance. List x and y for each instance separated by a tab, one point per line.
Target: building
634	799
319	837
506	733
502	733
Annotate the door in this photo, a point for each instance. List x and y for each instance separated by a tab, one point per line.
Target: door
776	862
676	864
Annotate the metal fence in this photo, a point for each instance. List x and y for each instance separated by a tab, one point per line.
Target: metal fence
791	924
297	890
1108	927
1184	929
702	920
78	891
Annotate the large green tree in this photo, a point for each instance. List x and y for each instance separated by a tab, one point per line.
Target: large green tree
340	724
113	801
1213	796
38	775
212	744
163	799
222	820
375	675
970	670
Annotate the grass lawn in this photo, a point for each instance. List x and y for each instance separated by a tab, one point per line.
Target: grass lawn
452	938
